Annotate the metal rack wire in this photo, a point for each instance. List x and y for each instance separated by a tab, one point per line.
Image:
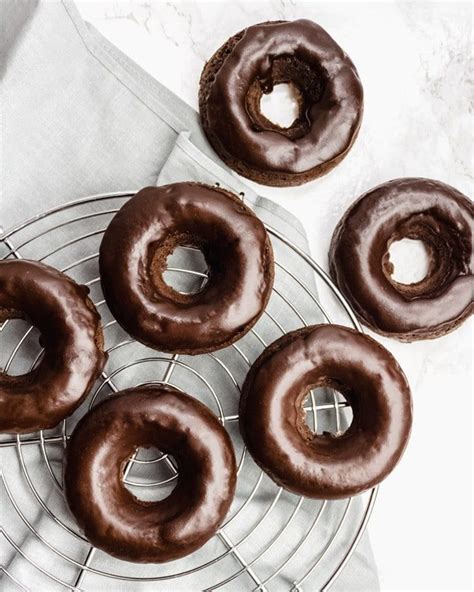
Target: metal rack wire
271	539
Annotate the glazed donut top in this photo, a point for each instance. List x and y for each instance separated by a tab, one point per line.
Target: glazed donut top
415	208
111	517
272	419
298	52
133	258
71	336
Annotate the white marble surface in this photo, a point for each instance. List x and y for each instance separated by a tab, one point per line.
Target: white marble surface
414	61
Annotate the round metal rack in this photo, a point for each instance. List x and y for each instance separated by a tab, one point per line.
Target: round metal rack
271	540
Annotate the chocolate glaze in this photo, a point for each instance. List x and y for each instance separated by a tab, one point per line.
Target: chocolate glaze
272	419
423	209
251	63
111	517
71	336
237	250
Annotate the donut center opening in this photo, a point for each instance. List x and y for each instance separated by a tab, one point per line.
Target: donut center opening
282	105
20	349
409	261
283	98
326	411
151	476
186	270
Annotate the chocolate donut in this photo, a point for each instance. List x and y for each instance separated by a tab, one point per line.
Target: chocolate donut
250	64
423	209
71	336
272	419
133	258
112	518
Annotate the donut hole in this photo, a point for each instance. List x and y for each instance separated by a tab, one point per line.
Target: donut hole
152	475
327	411
179	269
282	105
409	261
186	270
283	99
24	350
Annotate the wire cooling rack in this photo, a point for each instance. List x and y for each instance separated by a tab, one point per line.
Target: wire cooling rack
271	539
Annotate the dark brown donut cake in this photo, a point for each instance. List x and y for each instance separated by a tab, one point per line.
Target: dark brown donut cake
237	250
71	336
423	209
111	517
272	419
250	64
